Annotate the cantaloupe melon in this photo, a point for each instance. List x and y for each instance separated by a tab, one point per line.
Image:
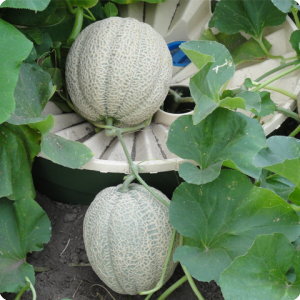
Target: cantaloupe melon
127	237
118	68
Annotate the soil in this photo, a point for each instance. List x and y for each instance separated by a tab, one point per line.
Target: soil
80	283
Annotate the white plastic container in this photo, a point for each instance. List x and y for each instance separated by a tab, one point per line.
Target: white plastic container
176	20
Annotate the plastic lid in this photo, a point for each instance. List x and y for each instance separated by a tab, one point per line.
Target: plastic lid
178	56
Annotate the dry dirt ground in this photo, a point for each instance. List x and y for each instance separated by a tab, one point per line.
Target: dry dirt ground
81	283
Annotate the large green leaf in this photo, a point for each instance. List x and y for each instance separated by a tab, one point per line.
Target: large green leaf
33	90
284	5
14	48
278	184
28	4
27	17
18	147
221	219
250	51
64	152
282	156
223	135
241	49
192	50
262	273
249	16
24	227
205	86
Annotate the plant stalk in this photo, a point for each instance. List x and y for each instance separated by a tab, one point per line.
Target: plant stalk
281	91
172	288
92	17
25	288
161	281
283	66
77	26
262	85
288	113
265	50
134	169
192	283
295	132
294	11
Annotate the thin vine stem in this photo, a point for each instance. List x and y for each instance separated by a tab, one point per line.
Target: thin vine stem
77	25
295	132
192	283
283	66
288	113
134	170
25	288
294	11
172	288
281	91
149	296
262	85
92	17
161	281
265	50
295	207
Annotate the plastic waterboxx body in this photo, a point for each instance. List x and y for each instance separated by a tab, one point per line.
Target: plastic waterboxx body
176	21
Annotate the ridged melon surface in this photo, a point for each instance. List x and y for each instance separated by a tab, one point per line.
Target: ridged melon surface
119	68
127	237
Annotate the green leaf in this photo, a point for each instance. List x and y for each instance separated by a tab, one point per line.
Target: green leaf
278	184
45	47
249	16
191	49
31	57
110	10
24	227
223	135
32	93
282	156
34	34
284	5
56	77
246	100
28	4
18	147
205	86
194	175
267	105
250	51
64	152
221	219
61	103
241	49
261	273
14	48
26	17
231	41
294	40
43	124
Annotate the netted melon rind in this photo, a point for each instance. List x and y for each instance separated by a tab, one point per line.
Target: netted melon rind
127	237
119	68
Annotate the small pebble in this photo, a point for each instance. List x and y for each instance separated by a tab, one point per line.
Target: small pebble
71	217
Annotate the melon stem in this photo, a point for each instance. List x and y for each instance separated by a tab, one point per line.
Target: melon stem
110	130
134	170
161	281
25	288
126	183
